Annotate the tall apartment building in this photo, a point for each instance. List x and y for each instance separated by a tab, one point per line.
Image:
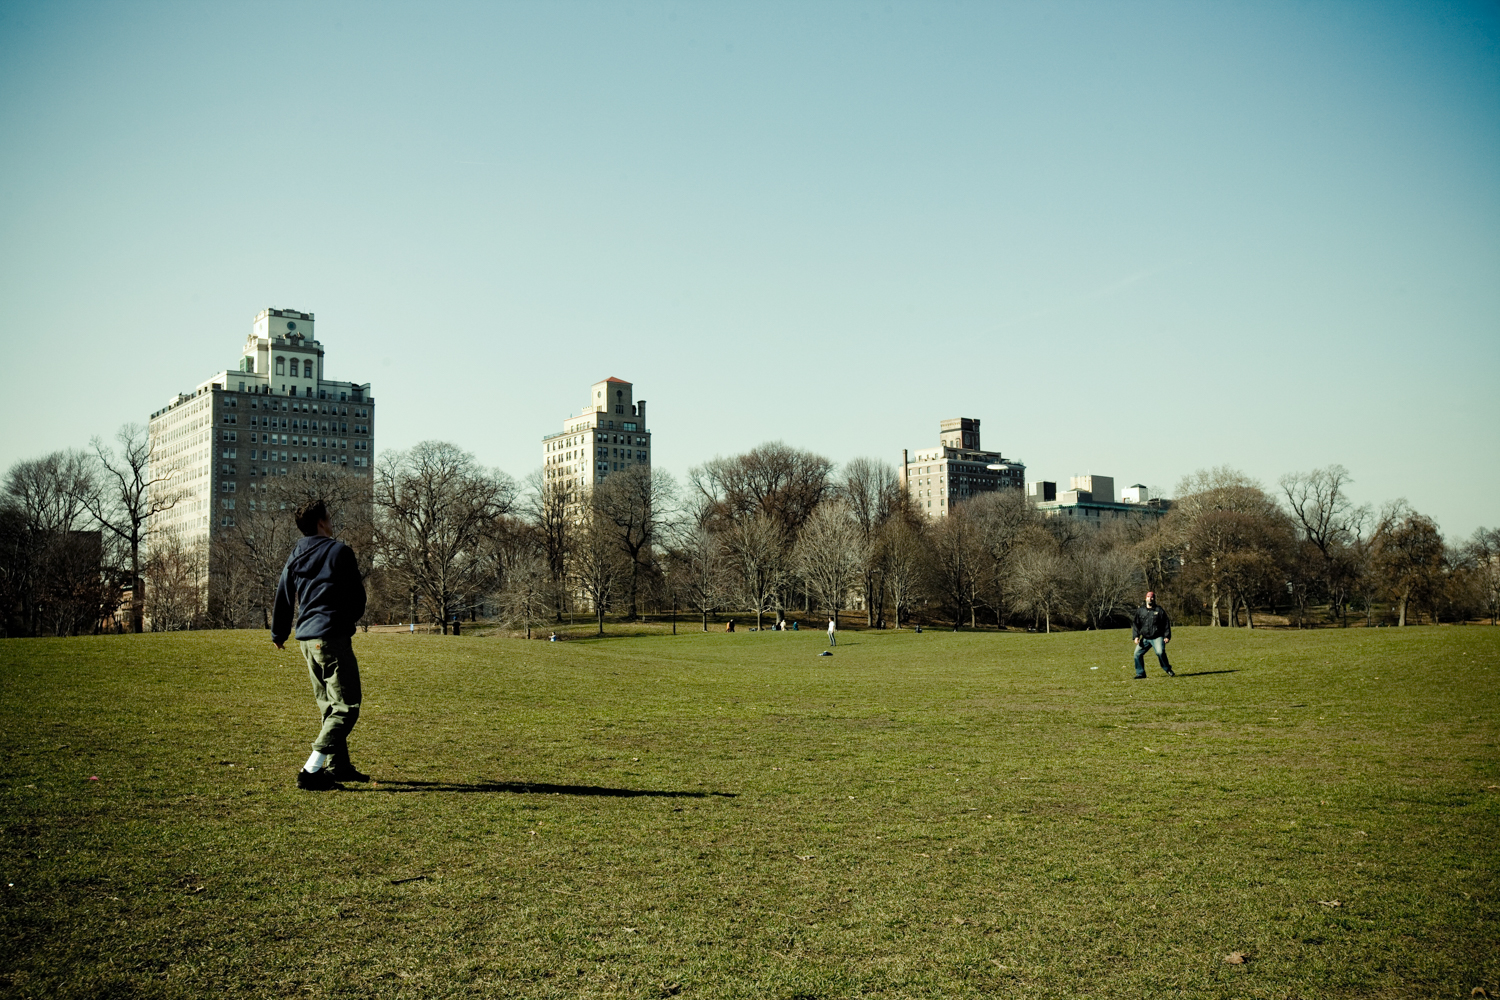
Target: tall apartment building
276	414
608	435
957	469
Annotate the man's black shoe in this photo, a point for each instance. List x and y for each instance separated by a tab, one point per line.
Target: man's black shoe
345	771
321	780
1169	672
1140	677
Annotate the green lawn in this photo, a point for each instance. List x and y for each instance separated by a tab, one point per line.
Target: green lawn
712	815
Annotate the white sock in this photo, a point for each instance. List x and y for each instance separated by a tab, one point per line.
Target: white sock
315	762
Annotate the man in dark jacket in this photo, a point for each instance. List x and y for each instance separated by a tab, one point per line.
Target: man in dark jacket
1150	626
322	578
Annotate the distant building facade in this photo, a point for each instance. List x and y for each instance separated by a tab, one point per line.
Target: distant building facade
276	413
609	435
1092	499
938	478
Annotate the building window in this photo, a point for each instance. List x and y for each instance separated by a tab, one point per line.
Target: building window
281	366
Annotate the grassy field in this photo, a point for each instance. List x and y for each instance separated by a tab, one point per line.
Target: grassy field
712	815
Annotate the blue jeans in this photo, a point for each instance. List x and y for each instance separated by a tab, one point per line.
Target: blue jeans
832	639
1160	645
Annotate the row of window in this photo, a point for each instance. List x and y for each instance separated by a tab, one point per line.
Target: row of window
357	465
262	455
309	442
308	408
358	429
329	443
294	424
603	439
303	407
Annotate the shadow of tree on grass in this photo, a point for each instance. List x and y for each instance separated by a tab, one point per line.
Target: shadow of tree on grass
540	788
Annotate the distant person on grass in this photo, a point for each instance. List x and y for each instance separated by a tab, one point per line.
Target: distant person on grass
322	578
1150	626
833	632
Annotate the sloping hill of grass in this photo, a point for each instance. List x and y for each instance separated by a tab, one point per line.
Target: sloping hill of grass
715	815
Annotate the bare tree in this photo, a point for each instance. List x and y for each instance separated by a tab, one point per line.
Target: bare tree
1329	520
254	551
1305	577
527	600
1241	556
780	482
902	555
1041	581
49	491
1103	580
701	570
127	490
552	507
953	563
635	502
1002	520
1156	552
53	577
759	547
871	491
175	570
597	565
1223	525
830	555
437	508
1408	554
1484	552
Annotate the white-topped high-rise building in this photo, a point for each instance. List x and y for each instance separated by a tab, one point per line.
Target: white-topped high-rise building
277	413
608	435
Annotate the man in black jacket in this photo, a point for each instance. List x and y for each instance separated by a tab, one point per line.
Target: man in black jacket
322	577
1150	626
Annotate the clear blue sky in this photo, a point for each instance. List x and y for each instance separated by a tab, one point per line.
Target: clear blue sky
1135	239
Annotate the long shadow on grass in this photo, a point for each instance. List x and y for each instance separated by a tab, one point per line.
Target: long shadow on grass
533	788
1206	673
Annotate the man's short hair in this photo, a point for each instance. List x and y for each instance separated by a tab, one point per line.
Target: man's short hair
310	515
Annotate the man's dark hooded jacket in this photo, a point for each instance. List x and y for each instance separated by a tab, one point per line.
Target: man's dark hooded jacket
322	577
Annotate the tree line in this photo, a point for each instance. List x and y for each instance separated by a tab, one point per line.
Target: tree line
772	532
